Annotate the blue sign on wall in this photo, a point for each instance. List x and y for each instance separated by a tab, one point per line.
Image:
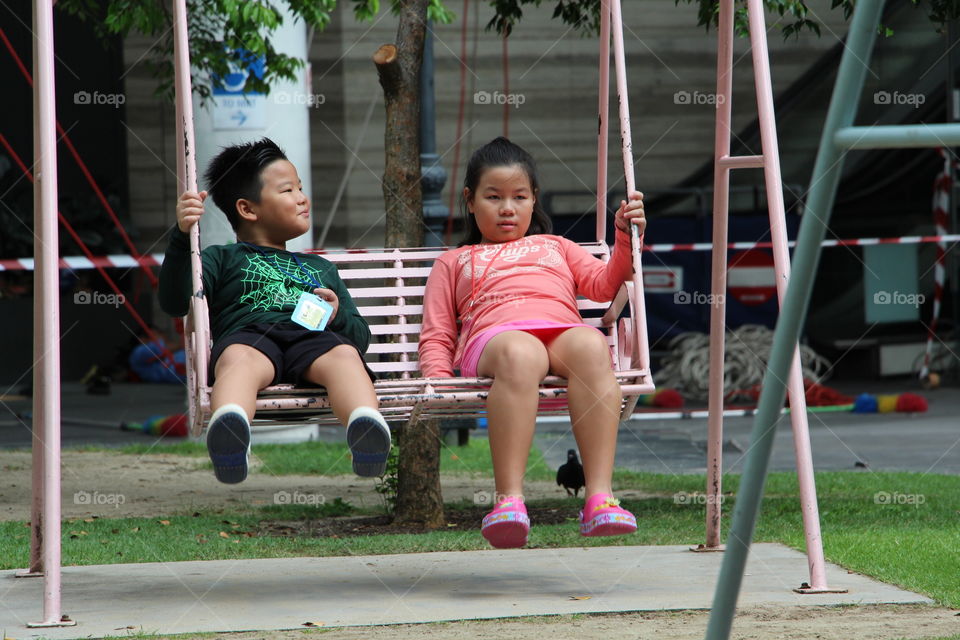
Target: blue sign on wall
234	106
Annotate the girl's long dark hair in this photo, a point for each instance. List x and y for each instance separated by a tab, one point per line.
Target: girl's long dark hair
500	152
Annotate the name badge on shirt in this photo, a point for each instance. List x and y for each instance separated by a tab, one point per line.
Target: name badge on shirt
312	312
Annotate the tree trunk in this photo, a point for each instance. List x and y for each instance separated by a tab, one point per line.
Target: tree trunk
399	69
418	493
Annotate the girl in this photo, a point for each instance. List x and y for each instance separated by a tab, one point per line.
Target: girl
503	305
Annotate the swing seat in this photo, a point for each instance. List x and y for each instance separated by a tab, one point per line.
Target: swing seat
387	286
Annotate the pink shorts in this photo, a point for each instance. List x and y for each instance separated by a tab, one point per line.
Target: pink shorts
538	328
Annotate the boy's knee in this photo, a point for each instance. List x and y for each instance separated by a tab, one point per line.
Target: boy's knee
244	359
341	354
338	359
241	354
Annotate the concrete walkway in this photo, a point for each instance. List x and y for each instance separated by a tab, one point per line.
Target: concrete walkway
241	595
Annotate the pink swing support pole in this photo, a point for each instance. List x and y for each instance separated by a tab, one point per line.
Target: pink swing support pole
603	130
196	338
626	137
718	270
781	259
45	523
769	161
639	357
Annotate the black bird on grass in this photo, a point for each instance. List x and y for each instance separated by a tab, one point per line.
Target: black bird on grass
570	474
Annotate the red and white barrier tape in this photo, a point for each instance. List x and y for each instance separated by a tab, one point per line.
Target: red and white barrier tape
941	203
156	259
856	242
82	262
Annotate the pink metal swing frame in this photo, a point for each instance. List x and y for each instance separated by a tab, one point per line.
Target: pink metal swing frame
407	397
388	285
769	161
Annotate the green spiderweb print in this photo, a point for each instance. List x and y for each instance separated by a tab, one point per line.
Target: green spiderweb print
266	288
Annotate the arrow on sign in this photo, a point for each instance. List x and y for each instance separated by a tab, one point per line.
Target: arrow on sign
240	117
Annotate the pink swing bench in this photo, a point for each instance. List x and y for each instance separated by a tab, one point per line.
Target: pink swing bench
388	284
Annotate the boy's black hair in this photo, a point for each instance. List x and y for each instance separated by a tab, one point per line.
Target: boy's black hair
500	152
234	173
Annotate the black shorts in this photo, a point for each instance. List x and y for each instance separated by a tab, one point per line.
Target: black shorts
290	347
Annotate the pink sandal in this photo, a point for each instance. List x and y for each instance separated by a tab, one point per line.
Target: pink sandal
507	526
603	516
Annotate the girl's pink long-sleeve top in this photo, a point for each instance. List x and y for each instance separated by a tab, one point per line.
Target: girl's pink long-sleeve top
534	278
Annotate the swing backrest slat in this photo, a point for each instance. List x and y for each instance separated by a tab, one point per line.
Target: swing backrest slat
388	286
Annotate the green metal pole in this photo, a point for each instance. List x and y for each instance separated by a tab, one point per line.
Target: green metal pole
823	188
899	136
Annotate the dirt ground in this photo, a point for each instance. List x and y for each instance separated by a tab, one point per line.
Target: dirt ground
114	485
885	622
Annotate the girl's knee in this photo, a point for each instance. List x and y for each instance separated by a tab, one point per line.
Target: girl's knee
582	352
590	346
521	355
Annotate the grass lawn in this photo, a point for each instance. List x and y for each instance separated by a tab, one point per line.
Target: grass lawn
901	528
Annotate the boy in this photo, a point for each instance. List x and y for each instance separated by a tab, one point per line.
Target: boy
253	289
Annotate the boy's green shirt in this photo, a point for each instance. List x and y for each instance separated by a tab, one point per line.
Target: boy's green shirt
243	286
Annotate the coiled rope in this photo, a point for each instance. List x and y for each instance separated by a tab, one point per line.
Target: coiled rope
746	352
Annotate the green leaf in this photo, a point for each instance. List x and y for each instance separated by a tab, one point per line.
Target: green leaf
365	10
439	13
